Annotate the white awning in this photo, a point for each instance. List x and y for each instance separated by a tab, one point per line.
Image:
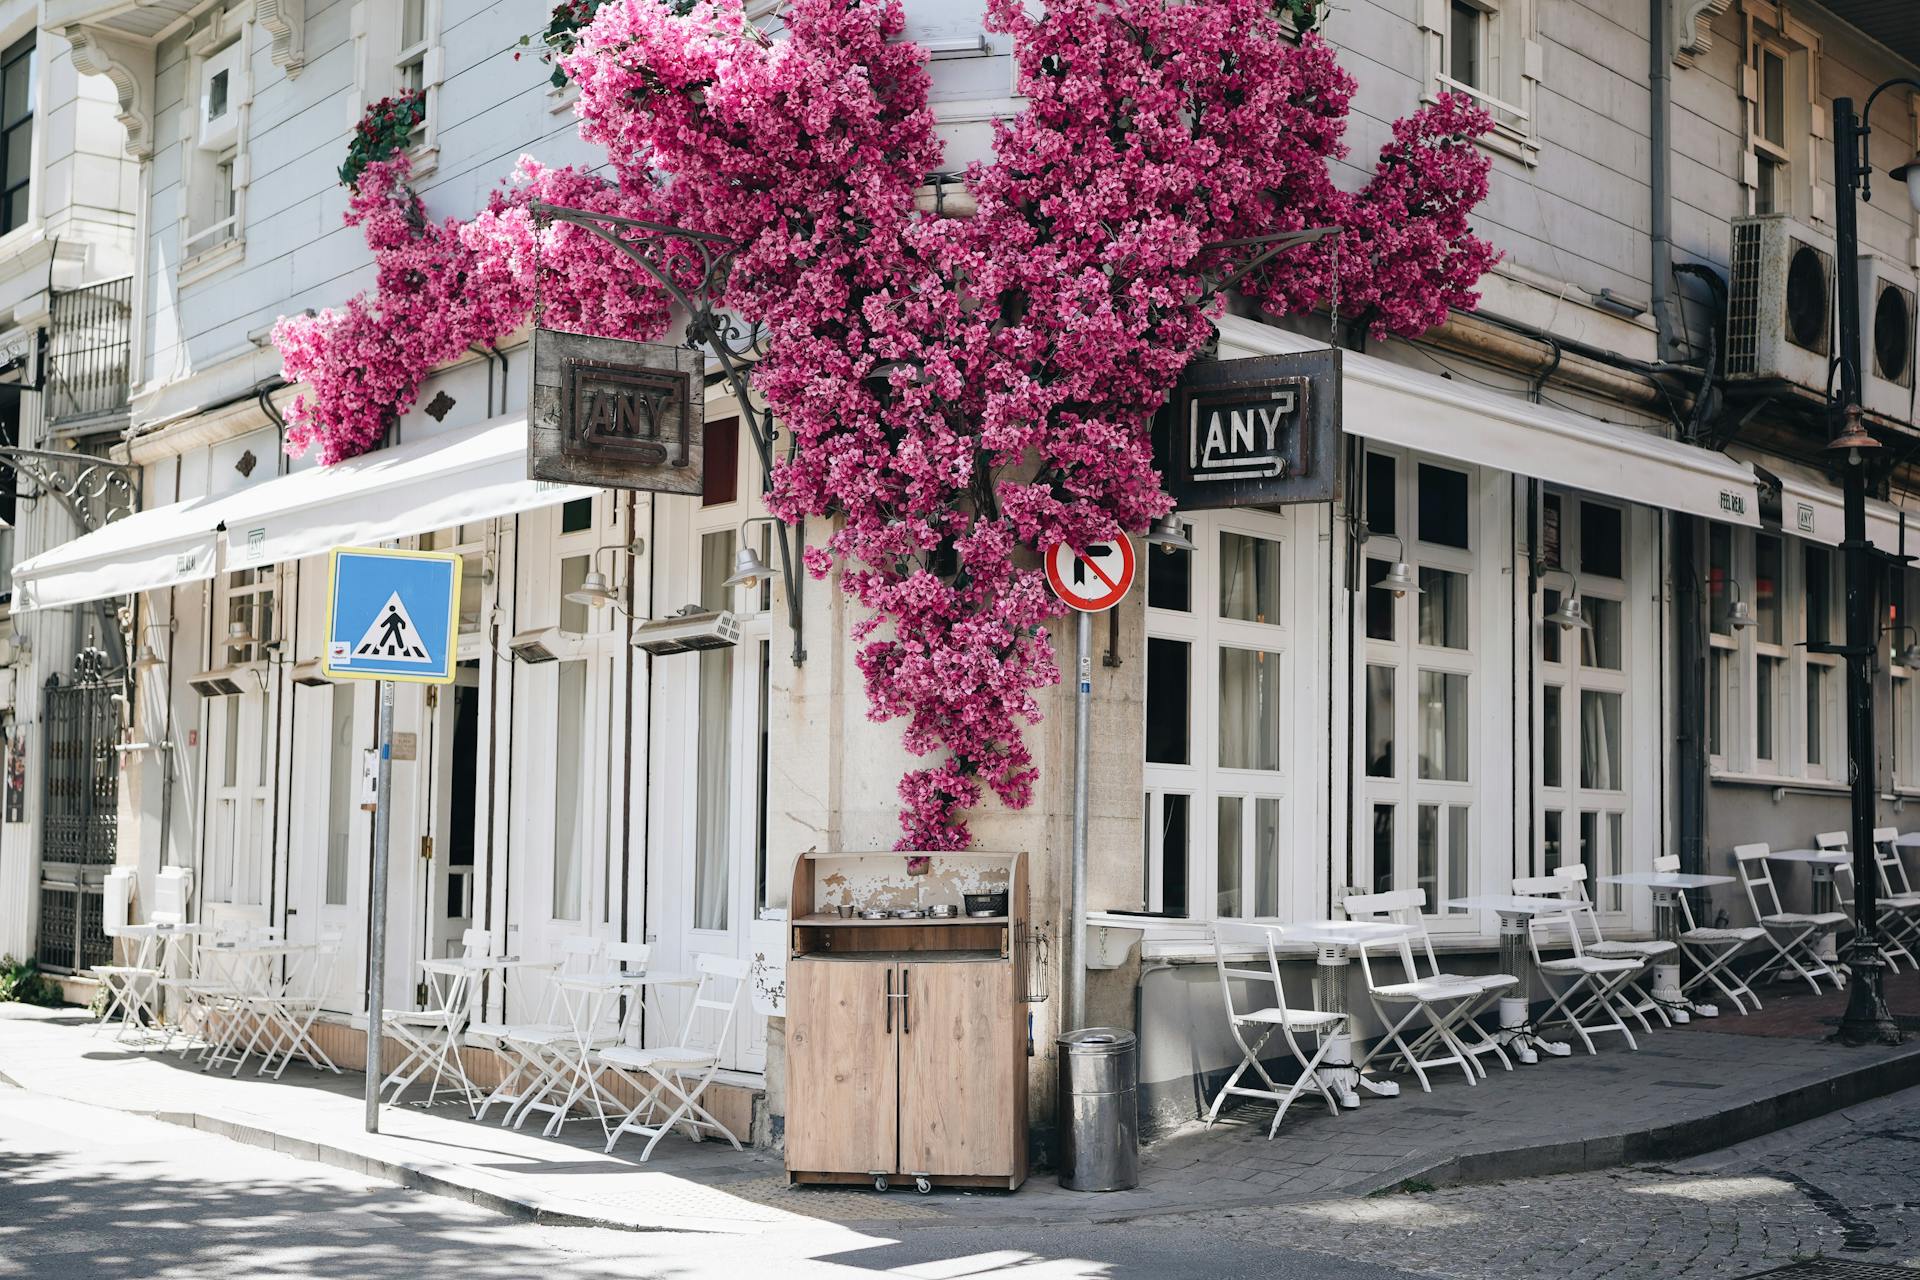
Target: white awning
475	473
1811	507
1395	405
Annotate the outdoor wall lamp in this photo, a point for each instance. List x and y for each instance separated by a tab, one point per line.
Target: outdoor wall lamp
148	658
239	635
1739	612
596	590
1170	535
1399	579
1569	616
1909	656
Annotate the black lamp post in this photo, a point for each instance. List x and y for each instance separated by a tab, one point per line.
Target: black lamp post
1867	1018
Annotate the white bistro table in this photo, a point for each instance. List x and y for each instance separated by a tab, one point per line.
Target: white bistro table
1667	886
572	1074
1516	911
1333	941
1820	862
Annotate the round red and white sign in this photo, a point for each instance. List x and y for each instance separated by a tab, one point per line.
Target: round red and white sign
1094	578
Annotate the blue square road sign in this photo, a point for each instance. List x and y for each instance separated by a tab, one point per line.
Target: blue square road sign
392	615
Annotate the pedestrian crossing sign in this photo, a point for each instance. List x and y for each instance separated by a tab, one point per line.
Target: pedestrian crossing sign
392	615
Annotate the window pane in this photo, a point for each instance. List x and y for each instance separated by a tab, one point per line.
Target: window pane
1767	675
569	824
1819	585
343	777
1610	894
1443	608
1167	695
1600	538
576	516
1249	578
1463	44
19	89
1768	588
1427	854
1227	856
1173	854
1599	740
1551	635
1717	673
716	566
1380	724
1551	735
575	617
713	820
1266	857
1382	848
1443	726
1903	744
1600	643
230	749
1551	531
1719	573
1550	838
1458	879
1382	494
1170	577
1249	709
1589	837
1773	97
19	154
1443	506
1380	602
413	22
1817	683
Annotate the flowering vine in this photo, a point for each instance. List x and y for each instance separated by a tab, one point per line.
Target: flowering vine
957	391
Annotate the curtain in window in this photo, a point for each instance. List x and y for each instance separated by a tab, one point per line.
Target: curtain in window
712	858
1600	741
568	826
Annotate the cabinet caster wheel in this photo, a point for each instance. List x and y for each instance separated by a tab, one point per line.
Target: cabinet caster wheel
923	1185
879	1183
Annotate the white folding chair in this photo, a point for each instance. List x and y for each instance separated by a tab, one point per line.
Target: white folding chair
680	1074
1591	1002
1265	1019
132	990
1712	950
575	955
1891	915
1442	1004
1896	890
1641	1001
1408	907
430	1038
542	1078
1793	935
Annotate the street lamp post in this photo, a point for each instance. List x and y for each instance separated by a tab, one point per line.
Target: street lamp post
1867	1018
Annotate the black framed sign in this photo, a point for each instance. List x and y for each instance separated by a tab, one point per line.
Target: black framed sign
616	413
1256	432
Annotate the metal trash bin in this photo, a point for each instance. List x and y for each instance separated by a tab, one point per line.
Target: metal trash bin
1099	1119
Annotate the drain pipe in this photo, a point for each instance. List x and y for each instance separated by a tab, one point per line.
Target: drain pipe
1660	170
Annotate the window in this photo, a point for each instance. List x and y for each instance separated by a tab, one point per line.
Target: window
1779	84
570	824
1770	130
1219	719
213	165
1486	50
16	135
343	790
249	616
1585	693
399	52
1420	681
410	64
1774	703
712	861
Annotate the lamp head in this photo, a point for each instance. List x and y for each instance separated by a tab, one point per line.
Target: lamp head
748	568
594	591
1909	173
1169	535
239	635
146	659
1570	616
1400	580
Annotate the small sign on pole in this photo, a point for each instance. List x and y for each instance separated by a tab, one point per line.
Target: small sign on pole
1093	578
391	616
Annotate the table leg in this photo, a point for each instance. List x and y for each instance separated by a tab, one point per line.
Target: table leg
1516	1012
1337	1070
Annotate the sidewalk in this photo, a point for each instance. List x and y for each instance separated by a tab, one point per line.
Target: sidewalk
1688	1090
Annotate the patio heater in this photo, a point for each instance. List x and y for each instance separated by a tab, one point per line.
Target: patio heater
1867	1019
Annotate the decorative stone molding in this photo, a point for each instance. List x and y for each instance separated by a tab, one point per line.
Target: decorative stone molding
286	22
128	65
1692	33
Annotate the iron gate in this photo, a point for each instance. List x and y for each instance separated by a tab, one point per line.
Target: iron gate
79	809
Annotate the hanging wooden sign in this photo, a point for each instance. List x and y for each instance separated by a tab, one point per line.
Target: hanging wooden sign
616	414
1256	432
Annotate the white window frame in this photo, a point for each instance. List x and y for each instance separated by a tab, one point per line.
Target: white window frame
1904	687
1804	120
213	185
1202	780
1510	62
381	64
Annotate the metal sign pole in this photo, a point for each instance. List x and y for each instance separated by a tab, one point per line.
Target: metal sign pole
1076	1009
377	931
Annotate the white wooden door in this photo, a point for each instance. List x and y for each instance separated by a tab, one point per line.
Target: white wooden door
329	832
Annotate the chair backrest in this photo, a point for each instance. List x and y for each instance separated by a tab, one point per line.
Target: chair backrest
630	957
476	944
312	977
1893	868
1750	862
722	990
1831	840
1667	863
1574	876
1228	936
1540	926
1406	907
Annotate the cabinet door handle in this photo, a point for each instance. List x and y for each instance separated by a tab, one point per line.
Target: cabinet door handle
906	1003
889	1002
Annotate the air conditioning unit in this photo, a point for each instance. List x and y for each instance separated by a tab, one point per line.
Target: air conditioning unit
220	99
1780	313
1886	338
689	630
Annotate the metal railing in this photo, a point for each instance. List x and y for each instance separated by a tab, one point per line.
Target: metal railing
88	351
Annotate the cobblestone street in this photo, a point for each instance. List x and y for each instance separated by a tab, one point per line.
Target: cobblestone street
1847	1185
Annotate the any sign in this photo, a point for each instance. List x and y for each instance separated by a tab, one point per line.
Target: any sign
1094	578
614	413
392	615
1260	431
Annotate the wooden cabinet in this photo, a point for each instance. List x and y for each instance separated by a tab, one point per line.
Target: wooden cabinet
906	1041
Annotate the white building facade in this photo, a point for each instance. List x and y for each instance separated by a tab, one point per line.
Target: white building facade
1272	729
